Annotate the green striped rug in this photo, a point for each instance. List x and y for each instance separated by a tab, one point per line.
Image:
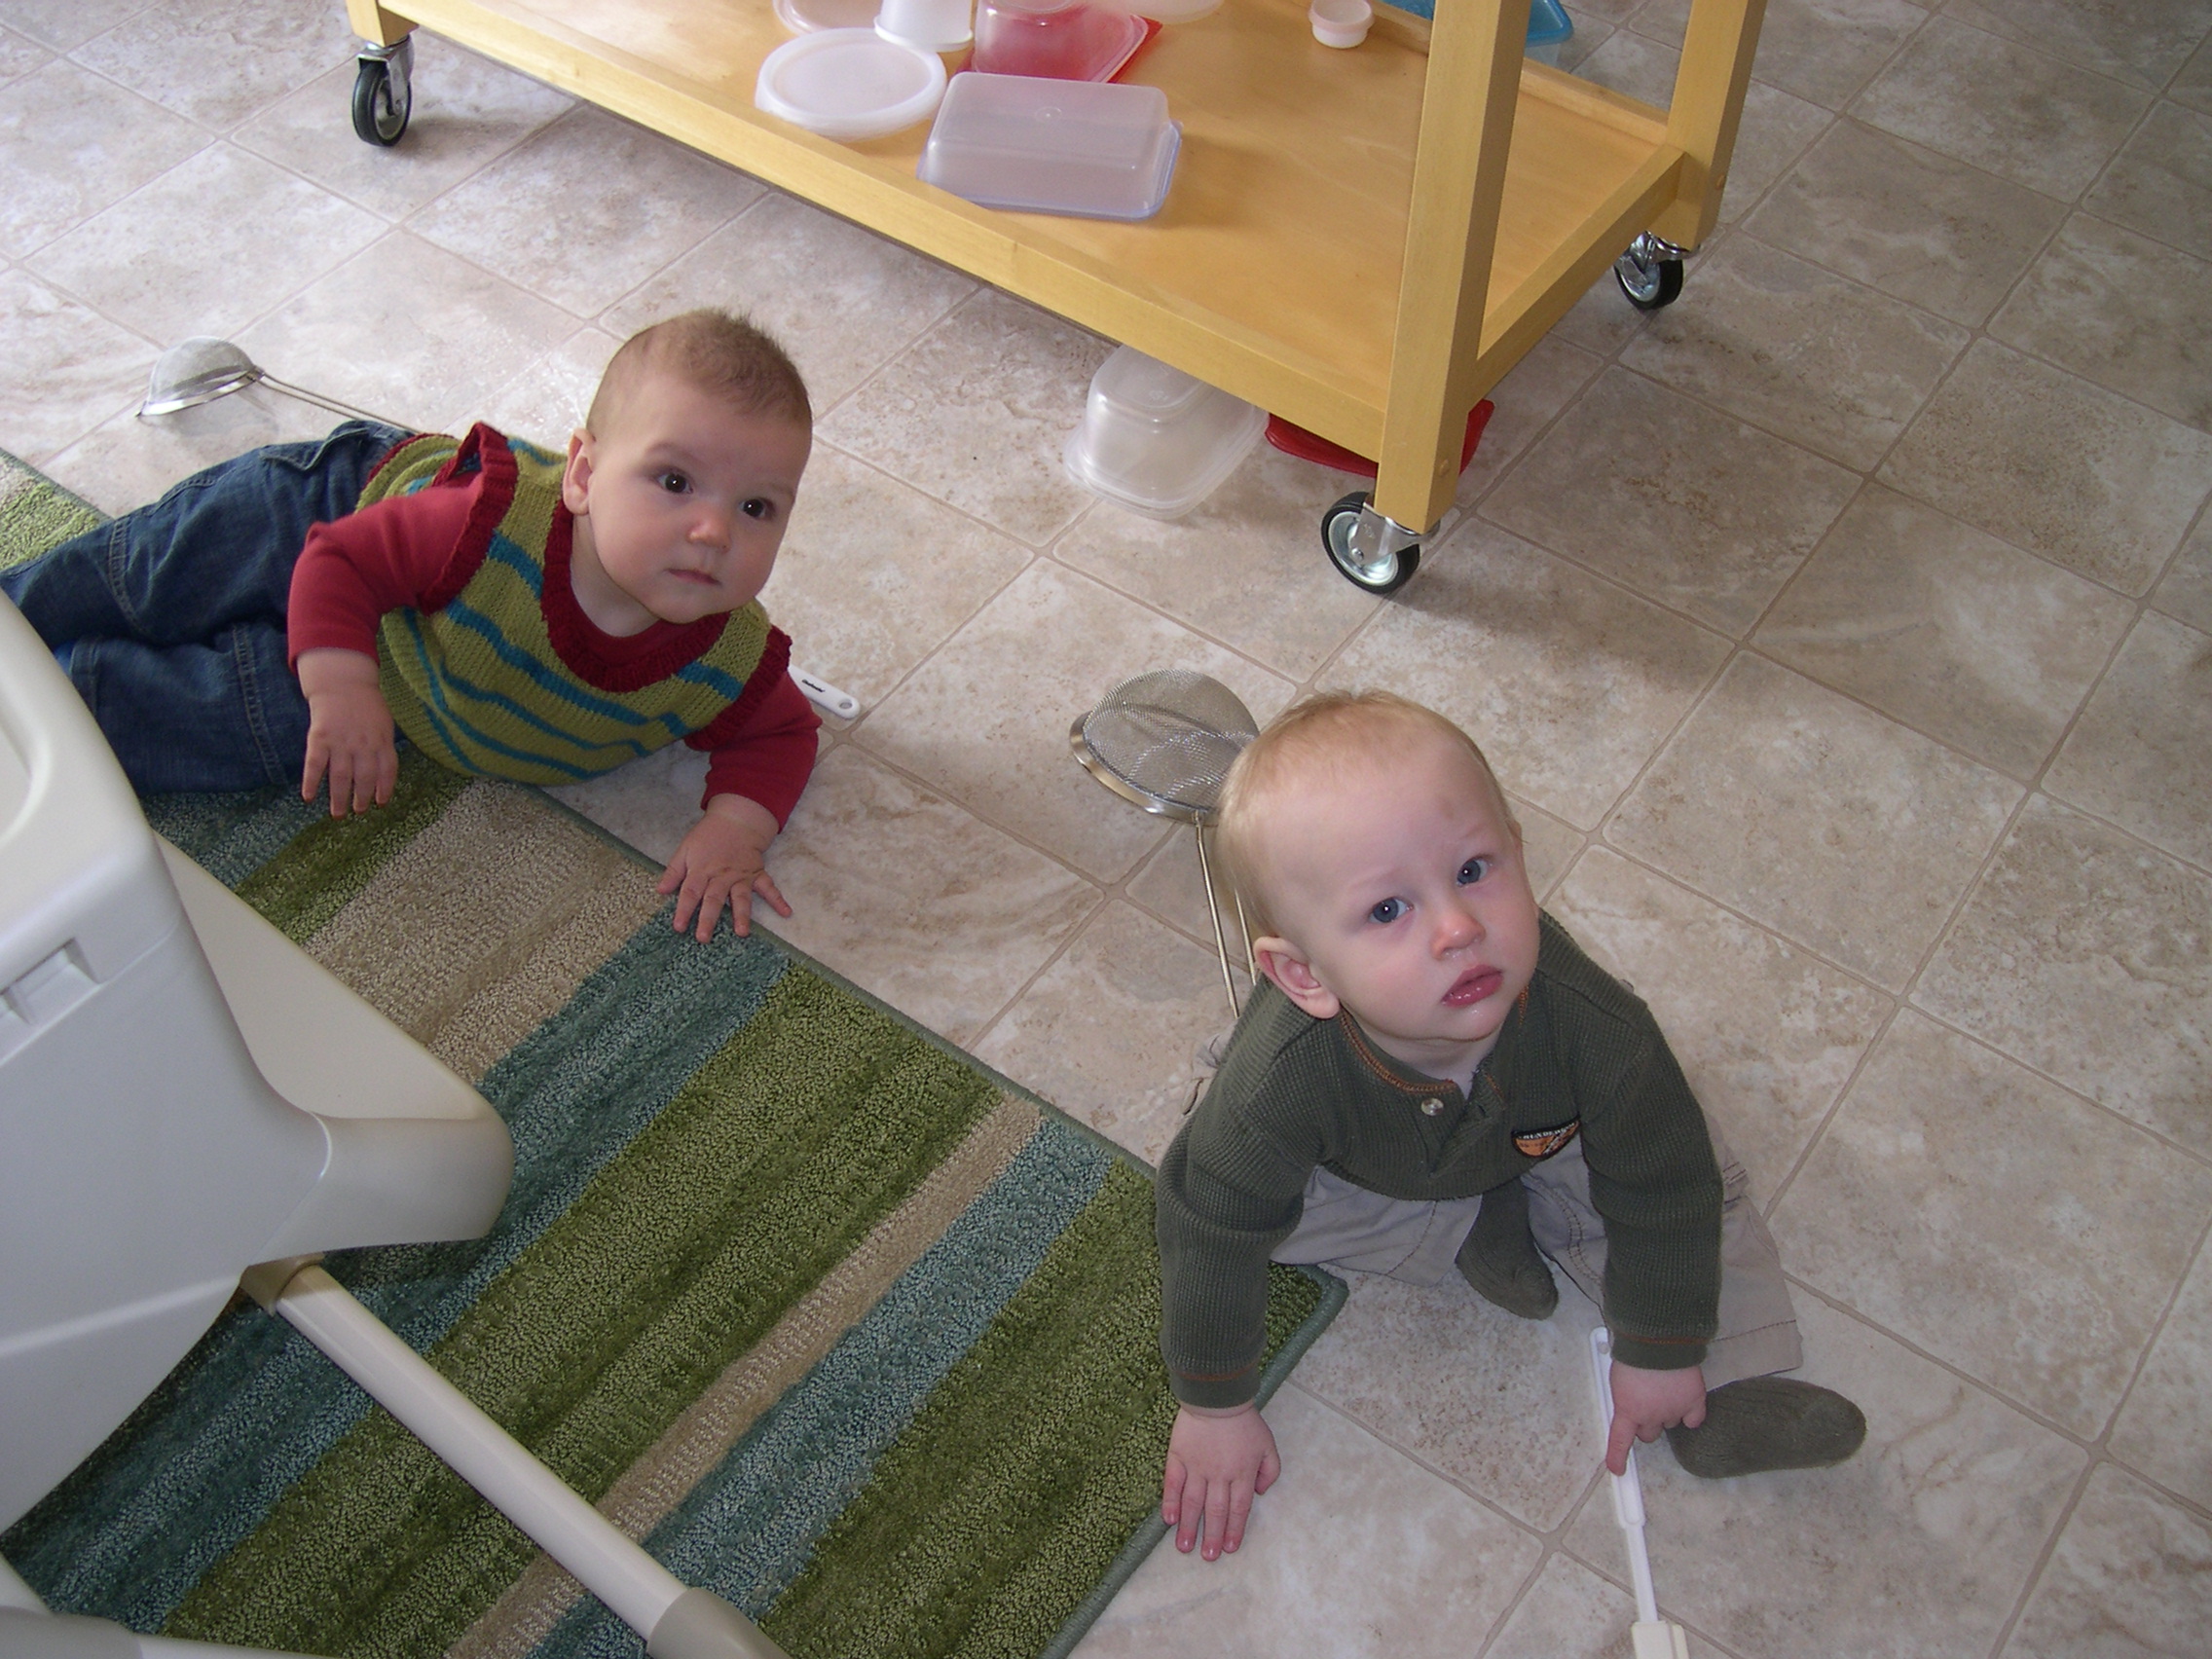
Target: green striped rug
834	1319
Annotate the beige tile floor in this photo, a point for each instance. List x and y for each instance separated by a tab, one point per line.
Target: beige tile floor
1841	634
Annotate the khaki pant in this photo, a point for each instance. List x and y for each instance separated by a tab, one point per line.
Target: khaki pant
1348	1227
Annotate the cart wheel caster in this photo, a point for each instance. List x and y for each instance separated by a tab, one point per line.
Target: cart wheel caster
1651	273
1381	562
384	96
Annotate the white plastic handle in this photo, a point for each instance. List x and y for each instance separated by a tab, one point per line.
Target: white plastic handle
1628	1489
826	697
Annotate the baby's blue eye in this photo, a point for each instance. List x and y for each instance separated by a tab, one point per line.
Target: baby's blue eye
1473	870
1388	911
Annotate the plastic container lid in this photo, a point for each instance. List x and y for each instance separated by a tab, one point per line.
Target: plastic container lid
1058	39
809	16
1153	439
1174	10
1086	148
1340	23
1548	22
849	84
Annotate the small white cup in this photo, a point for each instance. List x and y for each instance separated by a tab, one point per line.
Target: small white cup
1336	23
932	25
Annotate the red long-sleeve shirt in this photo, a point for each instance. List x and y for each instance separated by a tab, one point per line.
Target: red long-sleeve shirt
394	552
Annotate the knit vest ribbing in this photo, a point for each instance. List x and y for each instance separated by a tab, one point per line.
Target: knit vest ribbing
473	677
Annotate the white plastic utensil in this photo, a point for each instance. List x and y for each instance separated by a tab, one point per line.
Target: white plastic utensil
1654	1637
826	697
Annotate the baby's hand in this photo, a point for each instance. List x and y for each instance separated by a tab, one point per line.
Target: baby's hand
724	860
349	730
1647	1402
1217	1462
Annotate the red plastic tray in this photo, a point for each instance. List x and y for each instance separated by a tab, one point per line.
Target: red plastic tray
1312	446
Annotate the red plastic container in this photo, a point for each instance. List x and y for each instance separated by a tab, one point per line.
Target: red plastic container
1067	41
1312	446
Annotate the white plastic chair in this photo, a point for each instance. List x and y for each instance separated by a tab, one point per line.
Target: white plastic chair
187	1100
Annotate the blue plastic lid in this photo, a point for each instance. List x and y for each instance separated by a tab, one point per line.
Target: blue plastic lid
1548	22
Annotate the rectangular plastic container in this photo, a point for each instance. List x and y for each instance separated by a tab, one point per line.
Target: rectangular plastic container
1156	440
1093	150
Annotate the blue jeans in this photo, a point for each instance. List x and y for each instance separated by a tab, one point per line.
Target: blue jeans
176	613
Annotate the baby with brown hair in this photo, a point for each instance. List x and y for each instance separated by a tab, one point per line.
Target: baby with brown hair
514	612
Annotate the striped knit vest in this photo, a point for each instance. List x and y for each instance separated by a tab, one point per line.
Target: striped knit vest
474	678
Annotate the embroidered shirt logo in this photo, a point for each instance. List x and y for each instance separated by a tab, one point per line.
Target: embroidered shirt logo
1542	1143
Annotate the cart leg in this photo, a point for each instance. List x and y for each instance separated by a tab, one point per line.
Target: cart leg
376	25
1706	109
383	91
1651	273
1451	236
1369	549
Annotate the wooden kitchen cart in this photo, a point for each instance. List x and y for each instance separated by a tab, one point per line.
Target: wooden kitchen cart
1361	242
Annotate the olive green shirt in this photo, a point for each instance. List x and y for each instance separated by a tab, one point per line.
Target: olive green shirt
1579	1054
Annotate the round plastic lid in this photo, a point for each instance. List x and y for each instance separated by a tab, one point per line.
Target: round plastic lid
849	84
809	16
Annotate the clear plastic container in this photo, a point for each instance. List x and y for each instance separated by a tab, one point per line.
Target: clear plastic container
809	16
1155	440
1084	148
930	26
1341	23
1062	40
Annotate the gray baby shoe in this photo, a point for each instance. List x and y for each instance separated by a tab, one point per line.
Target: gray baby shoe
1763	1423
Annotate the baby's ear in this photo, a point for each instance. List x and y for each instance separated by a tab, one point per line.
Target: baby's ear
575	476
1282	962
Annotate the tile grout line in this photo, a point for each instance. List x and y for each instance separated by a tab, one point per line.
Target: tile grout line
2092	1447
2196	1256
2077	207
400	221
1545	1536
227	137
1552	1539
2100	1454
2042	1562
1873	476
1904	997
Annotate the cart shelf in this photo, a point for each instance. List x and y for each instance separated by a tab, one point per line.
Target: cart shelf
1303	261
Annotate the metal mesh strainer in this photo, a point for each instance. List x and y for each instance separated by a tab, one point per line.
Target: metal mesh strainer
1164	740
202	369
